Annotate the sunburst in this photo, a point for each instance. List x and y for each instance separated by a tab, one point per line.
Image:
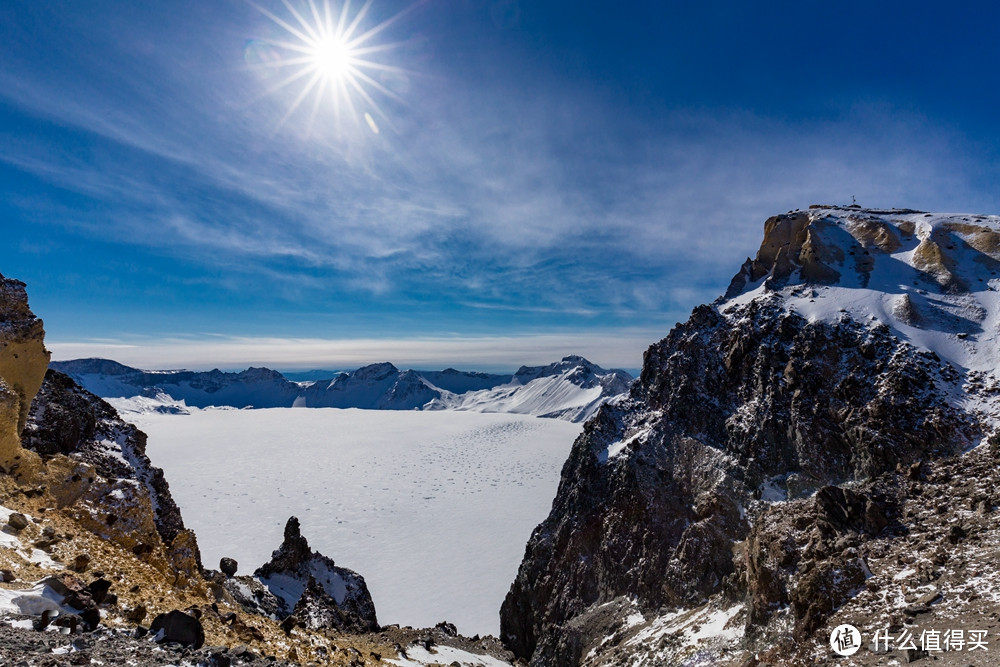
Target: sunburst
333	60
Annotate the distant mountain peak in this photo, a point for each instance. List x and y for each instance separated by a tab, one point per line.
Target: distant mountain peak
376	371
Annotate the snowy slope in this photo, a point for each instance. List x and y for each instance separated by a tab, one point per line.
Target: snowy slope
570	389
932	278
433	508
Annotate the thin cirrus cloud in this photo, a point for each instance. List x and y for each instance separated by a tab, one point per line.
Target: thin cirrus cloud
696	175
483	353
549	202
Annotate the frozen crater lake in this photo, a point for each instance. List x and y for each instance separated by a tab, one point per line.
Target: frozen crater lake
432	508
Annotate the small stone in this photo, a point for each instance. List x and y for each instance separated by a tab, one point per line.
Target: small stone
915	609
81	563
99	590
142	549
242	651
137	613
17	521
929	598
447	628
44	544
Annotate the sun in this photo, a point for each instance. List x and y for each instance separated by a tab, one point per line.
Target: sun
332	57
326	53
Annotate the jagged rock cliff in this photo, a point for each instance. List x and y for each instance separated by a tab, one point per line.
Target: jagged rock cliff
67	420
23	360
856	343
313	590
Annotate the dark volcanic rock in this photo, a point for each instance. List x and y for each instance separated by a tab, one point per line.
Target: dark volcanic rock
297	576
316	610
178	627
76	595
228	566
652	497
67	419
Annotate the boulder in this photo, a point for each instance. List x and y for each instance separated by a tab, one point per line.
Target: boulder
180	627
228	566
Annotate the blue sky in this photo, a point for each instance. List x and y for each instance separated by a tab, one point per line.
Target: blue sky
547	177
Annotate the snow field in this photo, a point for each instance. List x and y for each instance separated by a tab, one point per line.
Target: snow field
432	508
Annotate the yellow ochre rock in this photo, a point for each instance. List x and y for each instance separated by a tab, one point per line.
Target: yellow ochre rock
23	361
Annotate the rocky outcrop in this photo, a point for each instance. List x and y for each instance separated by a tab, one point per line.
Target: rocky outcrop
313	590
23	359
722	476
791	242
653	497
94	505
60	438
69	420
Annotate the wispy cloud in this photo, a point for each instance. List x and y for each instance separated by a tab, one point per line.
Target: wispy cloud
621	348
542	203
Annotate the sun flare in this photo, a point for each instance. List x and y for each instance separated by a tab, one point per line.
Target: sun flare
332	59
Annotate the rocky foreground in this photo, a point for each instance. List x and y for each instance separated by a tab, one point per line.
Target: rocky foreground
97	567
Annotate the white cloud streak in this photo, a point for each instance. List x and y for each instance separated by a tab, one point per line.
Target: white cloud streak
621	348
489	197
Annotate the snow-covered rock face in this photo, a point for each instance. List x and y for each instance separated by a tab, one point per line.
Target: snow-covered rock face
175	391
856	342
571	389
313	590
74	429
374	387
932	278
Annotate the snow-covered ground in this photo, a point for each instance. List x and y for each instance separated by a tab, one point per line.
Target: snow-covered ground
432	508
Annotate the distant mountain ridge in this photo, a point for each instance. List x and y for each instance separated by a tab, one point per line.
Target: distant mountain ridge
571	389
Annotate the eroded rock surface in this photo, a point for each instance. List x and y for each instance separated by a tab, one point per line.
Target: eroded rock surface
725	483
23	360
314	589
